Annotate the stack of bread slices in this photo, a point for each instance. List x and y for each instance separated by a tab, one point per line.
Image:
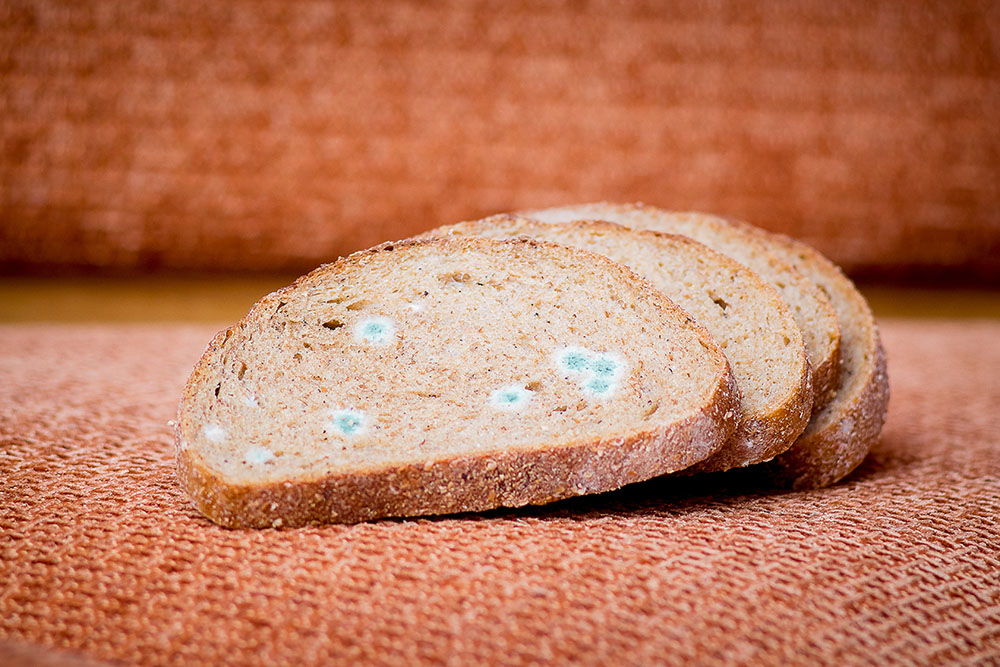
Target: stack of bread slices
530	357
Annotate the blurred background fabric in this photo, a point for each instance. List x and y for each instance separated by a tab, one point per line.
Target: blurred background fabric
251	136
164	164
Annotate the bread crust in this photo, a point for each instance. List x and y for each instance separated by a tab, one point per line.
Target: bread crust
840	436
762	440
837	442
482	481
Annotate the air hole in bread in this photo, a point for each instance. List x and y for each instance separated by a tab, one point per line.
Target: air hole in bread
242	371
358	305
333	324
720	302
218	388
533	386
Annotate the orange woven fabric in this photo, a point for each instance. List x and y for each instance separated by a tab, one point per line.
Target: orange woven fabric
249	135
103	555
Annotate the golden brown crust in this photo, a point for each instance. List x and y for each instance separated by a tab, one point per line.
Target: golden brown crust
839	437
460	483
463	484
769	437
832	447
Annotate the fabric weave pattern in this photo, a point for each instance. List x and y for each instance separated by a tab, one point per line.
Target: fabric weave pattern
102	553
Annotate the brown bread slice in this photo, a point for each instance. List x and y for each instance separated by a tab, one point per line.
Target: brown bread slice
426	377
813	312
747	317
840	435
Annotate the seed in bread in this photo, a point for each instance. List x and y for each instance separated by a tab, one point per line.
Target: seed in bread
750	321
445	376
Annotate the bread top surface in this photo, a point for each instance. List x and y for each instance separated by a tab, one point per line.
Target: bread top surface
811	308
423	351
746	316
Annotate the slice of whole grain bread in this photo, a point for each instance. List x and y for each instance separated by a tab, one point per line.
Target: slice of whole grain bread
425	377
812	309
745	315
840	435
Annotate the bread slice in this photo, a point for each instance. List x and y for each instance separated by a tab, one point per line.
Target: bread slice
747	317
439	376
840	435
813	312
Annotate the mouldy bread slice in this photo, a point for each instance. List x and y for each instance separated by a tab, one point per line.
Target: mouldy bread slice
840	435
811	307
438	376
747	317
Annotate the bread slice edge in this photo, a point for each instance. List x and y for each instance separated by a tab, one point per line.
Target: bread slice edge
838	437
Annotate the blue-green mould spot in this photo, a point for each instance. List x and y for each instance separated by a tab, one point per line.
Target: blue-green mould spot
510	397
574	359
604	366
348	422
596	373
375	330
599	385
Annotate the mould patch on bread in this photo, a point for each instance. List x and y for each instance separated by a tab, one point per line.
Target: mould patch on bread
607	366
599	387
258	455
573	359
214	433
511	397
375	331
596	373
348	422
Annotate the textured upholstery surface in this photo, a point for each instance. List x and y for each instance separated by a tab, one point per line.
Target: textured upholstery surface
100	552
250	135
